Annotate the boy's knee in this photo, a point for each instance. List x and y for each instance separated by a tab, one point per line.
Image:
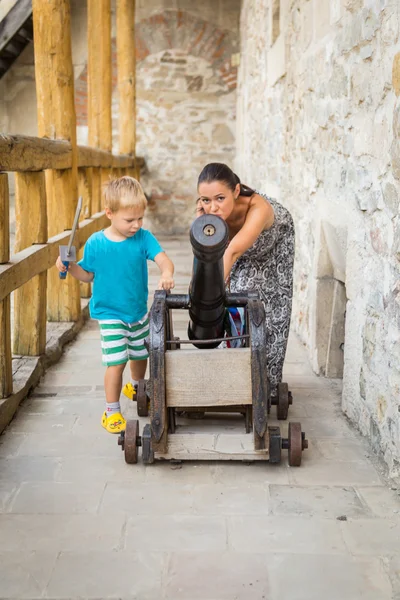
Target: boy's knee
116	368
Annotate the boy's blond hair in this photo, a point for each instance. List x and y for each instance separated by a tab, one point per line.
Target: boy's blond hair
124	192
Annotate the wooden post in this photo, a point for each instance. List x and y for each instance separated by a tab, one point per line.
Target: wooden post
56	119
126	61
85	190
30	299
99	74
97	204
5	309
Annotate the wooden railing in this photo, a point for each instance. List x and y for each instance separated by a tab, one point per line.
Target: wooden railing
25	272
51	171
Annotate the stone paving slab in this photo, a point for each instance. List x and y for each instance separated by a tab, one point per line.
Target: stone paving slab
77	522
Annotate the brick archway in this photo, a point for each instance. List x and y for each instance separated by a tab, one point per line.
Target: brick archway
173	29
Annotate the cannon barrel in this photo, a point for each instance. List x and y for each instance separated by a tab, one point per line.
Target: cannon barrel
209	239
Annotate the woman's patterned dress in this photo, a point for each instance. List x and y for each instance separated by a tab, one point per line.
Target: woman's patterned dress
267	266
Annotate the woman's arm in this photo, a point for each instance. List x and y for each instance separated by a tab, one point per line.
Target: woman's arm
260	216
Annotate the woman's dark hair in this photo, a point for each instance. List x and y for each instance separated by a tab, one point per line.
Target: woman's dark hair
220	172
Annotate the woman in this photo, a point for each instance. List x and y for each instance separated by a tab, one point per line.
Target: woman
260	253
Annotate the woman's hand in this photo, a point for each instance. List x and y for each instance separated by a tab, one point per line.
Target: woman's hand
199	209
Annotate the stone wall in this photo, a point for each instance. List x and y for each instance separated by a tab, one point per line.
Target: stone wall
186	100
186	96
319	127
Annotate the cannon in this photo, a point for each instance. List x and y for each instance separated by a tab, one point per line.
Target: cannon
204	377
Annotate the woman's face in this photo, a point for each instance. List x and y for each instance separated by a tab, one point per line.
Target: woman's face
217	199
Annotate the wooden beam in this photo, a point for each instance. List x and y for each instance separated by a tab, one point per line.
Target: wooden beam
56	119
4	219
97	196
28	153
94	157
5	309
14	20
99	74
25	153
126	61
190	381
38	258
30	299
6	384
212	446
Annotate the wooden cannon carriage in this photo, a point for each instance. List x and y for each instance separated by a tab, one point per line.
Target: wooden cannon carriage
209	378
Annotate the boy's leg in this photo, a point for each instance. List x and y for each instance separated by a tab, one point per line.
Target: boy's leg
113	383
137	356
114	343
112	419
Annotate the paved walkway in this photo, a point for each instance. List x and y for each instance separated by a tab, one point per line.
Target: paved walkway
77	522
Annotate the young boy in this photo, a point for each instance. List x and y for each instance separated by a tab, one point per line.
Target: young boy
115	259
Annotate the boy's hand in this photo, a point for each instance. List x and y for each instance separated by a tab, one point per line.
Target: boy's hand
60	265
166	282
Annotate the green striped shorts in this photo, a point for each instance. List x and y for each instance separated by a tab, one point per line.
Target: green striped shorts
121	341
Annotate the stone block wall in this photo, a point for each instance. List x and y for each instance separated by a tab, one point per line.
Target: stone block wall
186	96
319	127
186	100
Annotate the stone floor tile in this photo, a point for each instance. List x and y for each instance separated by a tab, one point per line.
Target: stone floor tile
177	533
392	567
68	445
217	576
10	443
195	472
344	449
100	469
334	427
147	499
220	499
8	490
26	468
124	575
56	497
26	423
258	473
327	577
383	502
24	575
50	532
331	473
297	535
320	501
374	537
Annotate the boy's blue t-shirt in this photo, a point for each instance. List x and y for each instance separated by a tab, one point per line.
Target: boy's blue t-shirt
120	275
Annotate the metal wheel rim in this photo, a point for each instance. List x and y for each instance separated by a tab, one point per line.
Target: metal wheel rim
141	398
130	441
282	408
295	444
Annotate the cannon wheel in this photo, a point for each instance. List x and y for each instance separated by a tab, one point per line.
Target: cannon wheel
147	452
282	406
142	399
131	439
295	438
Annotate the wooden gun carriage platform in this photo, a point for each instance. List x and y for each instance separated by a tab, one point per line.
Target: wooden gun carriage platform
212	378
